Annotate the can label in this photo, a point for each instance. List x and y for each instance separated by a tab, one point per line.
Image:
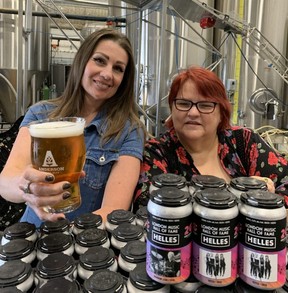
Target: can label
262	252
215	250
168	249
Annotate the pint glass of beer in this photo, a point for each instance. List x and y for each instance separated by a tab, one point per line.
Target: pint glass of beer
58	147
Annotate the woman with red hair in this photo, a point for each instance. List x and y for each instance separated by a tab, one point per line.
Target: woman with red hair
200	139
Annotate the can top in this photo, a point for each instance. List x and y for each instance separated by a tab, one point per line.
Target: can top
15	249
119	216
59	284
170	196
14	272
54	242
168	179
55	265
216	198
91	237
142	213
104	280
262	199
58	226
19	230
134	251
246	183
207	181
88	220
127	232
96	258
141	280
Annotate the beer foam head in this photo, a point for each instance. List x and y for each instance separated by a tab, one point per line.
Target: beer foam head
56	129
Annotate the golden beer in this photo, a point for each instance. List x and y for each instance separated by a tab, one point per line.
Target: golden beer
58	147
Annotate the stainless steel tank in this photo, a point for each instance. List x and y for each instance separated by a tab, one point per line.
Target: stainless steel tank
163	52
248	69
35	55
251	71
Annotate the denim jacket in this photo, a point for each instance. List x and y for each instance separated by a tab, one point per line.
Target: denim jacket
99	159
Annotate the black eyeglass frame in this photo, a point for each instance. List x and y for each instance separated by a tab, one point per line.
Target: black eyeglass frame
196	104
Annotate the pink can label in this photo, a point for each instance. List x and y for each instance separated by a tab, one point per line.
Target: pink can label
262	253
168	249
215	251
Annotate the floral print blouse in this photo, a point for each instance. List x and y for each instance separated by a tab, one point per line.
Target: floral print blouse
241	151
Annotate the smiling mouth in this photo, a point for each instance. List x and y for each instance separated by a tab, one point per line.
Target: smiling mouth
102	85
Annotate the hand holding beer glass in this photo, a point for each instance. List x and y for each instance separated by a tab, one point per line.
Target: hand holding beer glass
58	147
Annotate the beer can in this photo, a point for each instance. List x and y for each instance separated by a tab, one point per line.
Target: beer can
55	265
168	180
125	233
141	216
133	253
188	286
91	237
96	258
18	230
105	281
215	237
140	282
55	242
16	273
117	217
168	246
17	249
86	221
262	240
200	182
243	184
49	227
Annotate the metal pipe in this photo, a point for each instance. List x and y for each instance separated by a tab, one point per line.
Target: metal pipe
63	32
160	74
64	17
26	33
212	50
139	51
10	85
19	98
70	16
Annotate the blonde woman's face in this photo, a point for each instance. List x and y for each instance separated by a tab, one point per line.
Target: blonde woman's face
104	71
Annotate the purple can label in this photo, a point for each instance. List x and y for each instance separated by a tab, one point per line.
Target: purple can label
215	251
168	249
262	253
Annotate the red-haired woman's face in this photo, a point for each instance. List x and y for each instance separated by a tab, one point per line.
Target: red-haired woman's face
193	125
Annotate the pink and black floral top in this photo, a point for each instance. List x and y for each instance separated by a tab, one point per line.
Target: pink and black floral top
241	151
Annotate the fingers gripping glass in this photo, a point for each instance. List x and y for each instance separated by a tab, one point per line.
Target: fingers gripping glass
203	106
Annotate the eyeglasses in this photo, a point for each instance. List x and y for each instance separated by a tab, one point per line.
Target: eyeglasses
203	106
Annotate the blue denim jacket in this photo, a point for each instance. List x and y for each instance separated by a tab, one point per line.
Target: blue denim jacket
99	159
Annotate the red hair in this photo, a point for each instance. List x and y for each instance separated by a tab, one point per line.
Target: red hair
209	86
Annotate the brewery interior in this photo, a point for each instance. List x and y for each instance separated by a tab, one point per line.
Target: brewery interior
244	41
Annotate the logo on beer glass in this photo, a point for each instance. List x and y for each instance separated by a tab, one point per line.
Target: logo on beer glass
49	160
